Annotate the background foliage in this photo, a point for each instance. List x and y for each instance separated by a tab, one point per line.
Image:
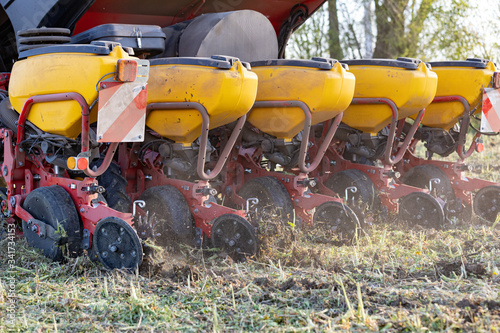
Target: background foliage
425	29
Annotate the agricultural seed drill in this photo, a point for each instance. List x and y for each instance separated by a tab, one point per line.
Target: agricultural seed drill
463	92
430	193
86	98
387	92
169	161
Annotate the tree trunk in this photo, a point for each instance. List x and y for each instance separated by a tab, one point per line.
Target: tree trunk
333	32
368	28
390	21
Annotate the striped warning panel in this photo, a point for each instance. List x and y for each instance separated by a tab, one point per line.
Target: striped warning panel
122	112
490	118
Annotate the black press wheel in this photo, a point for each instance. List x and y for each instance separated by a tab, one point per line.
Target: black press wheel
335	220
116	244
53	205
274	200
234	236
169	215
366	194
422	209
487	203
420	176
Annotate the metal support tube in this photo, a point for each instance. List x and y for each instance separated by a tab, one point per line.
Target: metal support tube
205	127
408	139
394	120
56	98
464	127
105	163
306	131
85	139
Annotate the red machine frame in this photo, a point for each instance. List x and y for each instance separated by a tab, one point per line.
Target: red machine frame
382	177
142	175
297	185
23	174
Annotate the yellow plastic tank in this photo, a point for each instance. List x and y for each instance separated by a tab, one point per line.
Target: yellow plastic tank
61	69
409	83
325	86
222	85
463	78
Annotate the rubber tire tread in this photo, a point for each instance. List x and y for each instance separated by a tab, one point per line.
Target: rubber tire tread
275	194
367	192
420	176
116	187
50	205
169	201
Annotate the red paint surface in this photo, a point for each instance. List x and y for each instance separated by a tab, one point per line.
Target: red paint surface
165	13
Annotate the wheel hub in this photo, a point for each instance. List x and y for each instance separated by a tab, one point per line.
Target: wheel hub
117	245
487	203
421	209
336	220
234	235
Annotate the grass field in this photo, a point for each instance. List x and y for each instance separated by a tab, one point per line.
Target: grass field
394	278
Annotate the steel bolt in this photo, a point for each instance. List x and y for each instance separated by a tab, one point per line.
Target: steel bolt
82	210
196	210
113	248
5	170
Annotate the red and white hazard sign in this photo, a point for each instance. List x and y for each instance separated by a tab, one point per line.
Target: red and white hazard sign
122	112
490	118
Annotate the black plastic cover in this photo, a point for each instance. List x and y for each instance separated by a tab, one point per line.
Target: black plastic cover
315	63
216	61
471	62
406	63
66	48
142	38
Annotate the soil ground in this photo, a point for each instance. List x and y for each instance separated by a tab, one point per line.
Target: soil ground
393	278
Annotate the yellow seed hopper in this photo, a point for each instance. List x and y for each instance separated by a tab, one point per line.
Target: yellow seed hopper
409	83
62	69
458	78
224	86
324	86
